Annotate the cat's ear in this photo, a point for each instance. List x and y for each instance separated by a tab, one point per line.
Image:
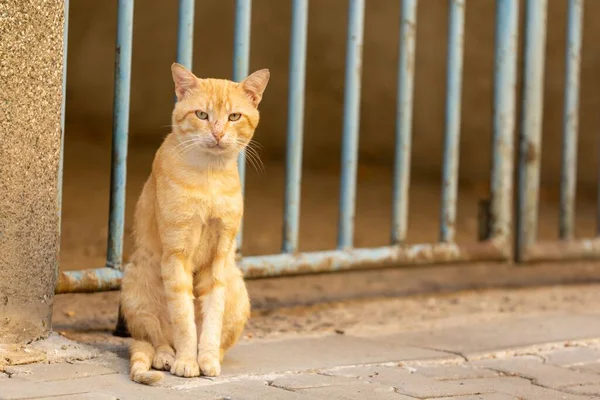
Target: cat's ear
184	80
255	84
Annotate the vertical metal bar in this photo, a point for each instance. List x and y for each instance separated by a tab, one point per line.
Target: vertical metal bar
185	33
568	179
531	124
241	59
505	81
62	112
295	126
404	115
351	123
453	109
116	223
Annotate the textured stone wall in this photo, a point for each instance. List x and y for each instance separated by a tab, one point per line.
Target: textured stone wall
91	57
30	141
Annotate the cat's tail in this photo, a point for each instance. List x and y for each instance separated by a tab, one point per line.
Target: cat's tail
140	363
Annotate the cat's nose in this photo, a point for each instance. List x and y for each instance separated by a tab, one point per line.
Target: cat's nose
218	135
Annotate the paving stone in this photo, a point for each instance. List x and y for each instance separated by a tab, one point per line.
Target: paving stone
585	389
60	349
356	391
17	388
473	341
487	396
407	382
85	396
307	381
571	356
546	375
320	352
249	390
122	387
592	367
56	372
453	371
521	388
119	364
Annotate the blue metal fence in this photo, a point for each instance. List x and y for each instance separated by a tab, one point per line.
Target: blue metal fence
567	247
496	244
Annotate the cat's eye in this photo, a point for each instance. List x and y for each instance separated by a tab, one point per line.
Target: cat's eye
234	116
201	115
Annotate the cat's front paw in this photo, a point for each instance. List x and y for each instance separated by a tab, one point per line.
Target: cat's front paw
186	367
209	365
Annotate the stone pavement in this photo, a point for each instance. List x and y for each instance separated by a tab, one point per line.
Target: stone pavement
543	357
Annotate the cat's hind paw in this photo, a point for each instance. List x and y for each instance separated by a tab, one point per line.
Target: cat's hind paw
164	358
209	365
185	367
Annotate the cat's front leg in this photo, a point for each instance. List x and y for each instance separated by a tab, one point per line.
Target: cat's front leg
209	347
178	283
213	307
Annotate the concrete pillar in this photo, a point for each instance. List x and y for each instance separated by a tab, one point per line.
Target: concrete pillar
31	63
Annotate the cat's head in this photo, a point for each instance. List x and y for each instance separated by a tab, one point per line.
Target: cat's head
216	116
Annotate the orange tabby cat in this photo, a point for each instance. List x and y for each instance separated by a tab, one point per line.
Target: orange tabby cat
183	297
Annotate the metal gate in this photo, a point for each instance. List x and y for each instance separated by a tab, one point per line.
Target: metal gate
528	248
495	242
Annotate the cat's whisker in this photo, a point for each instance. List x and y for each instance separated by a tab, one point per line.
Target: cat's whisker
254	143
251	144
184	143
252	162
187	148
251	154
254	149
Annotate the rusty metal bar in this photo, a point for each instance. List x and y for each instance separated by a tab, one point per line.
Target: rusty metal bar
89	280
505	82
404	117
562	250
118	172
351	123
531	124
241	61
568	179
389	256
102	279
452	130
185	33
295	132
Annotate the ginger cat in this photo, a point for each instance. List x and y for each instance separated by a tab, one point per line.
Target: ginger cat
183	297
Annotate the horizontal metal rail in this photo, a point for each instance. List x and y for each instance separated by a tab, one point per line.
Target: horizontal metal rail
562	250
103	279
89	280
